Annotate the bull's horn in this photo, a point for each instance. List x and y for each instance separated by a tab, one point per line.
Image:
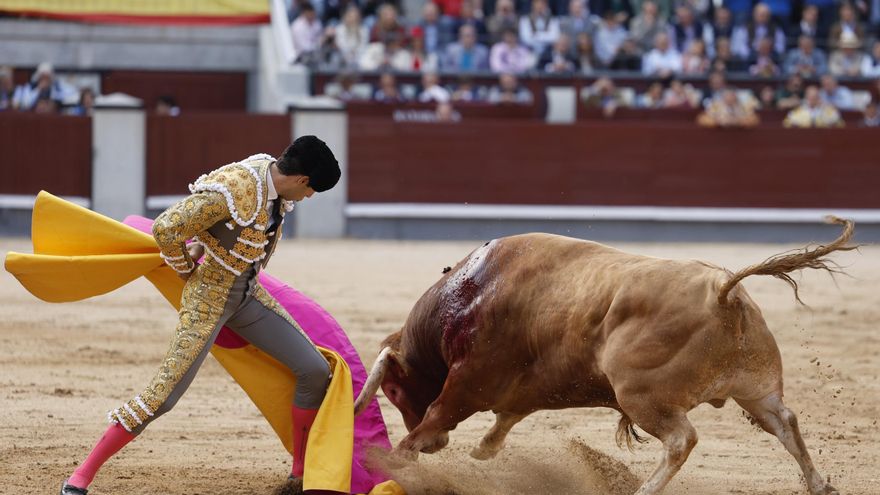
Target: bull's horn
373	381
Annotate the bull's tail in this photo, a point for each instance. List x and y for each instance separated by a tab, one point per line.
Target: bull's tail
781	265
626	433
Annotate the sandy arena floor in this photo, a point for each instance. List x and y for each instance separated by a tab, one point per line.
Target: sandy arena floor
62	366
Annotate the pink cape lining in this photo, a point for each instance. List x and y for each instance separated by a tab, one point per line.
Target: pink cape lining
369	426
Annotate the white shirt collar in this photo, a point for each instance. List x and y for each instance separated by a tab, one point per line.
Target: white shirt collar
270	185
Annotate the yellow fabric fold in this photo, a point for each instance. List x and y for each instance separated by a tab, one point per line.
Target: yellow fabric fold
80	254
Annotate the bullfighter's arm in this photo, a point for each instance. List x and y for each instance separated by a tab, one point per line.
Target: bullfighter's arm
181	222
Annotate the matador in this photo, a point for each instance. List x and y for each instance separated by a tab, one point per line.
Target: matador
234	214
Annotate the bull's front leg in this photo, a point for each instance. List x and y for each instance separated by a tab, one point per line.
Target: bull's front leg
493	442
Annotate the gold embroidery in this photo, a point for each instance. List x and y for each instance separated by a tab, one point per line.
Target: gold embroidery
182	221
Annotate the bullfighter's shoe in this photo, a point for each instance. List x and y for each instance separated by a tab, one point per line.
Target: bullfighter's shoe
293	486
72	490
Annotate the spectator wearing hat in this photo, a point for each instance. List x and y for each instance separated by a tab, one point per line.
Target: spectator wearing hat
835	94
847	60
848	21
813	112
7	88
871	62
466	55
509	56
806	60
43	85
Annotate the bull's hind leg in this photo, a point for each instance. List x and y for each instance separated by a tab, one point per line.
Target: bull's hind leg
493	442
778	420
669	424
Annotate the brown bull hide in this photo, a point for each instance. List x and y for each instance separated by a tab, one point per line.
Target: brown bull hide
539	321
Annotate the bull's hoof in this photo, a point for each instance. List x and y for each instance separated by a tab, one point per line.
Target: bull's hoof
828	490
293	486
482	453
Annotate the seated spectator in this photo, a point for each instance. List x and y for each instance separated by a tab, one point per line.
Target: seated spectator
685	30
871	63
559	58
791	94
578	20
46	105
306	31
603	94
767	98
466	55
446	113
680	95
436	35
813	112
346	81
539	29
86	103
848	22
465	90
327	56
746	39
727	112
663	60
645	26
388	55
806	60
871	115
503	19
7	88
470	16
835	94
509	90
388	92
585	54
622	10
725	60
609	38
809	26
352	37
714	86
43	84
166	105
695	62
421	60
509	56
432	90
847	60
722	26
652	98
387	25
764	63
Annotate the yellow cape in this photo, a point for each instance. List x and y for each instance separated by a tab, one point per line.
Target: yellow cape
79	254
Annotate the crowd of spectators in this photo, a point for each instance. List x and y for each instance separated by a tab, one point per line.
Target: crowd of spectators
655	37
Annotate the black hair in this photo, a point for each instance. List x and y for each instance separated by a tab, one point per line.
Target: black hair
311	157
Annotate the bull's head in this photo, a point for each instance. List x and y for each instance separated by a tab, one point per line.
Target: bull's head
405	386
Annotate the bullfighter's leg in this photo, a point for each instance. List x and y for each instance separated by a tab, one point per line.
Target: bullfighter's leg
451	407
776	419
493	442
670	425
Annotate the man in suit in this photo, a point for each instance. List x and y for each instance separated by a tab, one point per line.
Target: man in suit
466	55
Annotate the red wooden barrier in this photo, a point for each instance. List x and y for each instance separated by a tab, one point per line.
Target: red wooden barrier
639	163
50	152
180	149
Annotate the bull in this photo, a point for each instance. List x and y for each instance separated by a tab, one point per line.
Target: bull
540	321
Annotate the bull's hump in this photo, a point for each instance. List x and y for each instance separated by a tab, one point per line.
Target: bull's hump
460	298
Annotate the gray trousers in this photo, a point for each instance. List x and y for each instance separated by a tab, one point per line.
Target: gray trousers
272	334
